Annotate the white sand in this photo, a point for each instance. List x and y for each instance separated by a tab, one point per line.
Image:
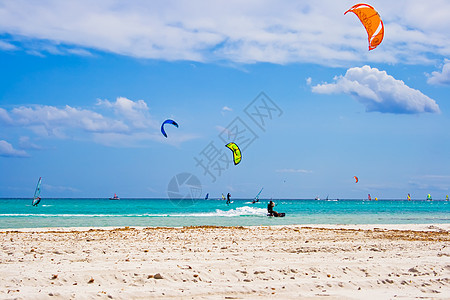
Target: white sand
284	262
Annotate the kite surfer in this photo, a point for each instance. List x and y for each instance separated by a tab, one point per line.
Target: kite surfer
228	198
270	211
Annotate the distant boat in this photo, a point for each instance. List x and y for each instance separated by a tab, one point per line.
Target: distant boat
207	196
408	197
368	197
429	197
446	197
317	198
37	193
115	197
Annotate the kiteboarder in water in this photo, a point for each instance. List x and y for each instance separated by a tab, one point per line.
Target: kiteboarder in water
270	210
228	198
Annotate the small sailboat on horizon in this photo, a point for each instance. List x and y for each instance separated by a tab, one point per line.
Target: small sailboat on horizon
115	197
37	193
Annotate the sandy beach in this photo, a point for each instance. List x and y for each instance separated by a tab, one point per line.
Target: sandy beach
284	262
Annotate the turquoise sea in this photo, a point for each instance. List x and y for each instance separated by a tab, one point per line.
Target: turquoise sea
19	213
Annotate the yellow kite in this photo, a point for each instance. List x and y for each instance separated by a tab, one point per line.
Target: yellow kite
236	152
371	21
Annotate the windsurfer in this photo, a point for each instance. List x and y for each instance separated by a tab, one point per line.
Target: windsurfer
37	193
228	198
257	197
36	201
270	210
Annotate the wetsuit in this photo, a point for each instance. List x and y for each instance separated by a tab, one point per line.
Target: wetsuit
270	210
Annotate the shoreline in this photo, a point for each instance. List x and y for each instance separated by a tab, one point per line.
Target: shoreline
403	227
211	262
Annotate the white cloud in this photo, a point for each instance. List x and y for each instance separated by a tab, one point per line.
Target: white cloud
26	143
378	91
80	52
221	129
254	31
430	182
6	149
293	171
4	116
120	123
225	109
135	112
7	46
442	77
51	120
308	81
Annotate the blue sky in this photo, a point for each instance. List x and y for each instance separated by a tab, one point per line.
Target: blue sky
85	87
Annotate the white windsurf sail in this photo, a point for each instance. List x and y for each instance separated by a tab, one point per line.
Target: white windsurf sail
257	196
37	193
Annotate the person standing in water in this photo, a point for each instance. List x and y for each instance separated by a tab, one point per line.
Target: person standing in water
270	211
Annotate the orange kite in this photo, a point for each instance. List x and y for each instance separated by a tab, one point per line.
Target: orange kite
371	21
